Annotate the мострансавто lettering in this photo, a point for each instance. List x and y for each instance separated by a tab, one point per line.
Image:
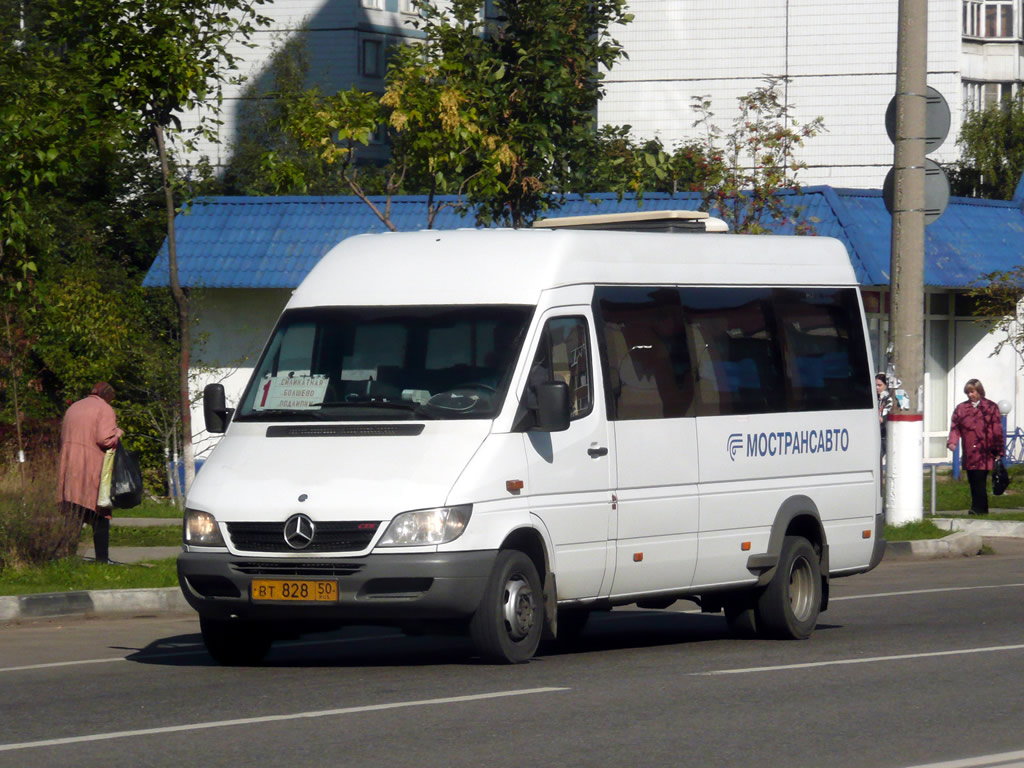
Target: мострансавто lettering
789	443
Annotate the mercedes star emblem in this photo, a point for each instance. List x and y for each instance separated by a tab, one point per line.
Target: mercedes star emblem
298	531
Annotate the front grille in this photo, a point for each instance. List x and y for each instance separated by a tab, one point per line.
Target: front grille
349	536
292	568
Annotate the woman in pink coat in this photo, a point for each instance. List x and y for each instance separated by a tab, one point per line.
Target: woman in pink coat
88	431
978	423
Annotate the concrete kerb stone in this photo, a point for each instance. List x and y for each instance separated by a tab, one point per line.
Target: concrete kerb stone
100	602
1009	528
959	544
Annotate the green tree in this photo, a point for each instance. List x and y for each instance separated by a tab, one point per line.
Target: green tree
750	165
497	113
49	121
618	163
155	59
991	145
999	302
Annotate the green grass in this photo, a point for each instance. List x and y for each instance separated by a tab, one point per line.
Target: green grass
924	529
151	508
955	495
73	574
155	536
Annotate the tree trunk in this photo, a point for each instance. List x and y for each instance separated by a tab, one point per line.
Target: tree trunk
14	394
184	319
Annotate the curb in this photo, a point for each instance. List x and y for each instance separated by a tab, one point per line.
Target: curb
1009	528
100	602
959	544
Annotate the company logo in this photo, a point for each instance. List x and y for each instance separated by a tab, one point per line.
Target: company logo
788	443
734	444
298	531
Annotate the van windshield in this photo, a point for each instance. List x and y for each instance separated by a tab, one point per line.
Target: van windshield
386	363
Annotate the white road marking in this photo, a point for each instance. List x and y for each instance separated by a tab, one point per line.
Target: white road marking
200	651
273	718
871	660
1003	760
923	591
619	615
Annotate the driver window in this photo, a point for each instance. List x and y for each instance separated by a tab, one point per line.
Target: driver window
563	354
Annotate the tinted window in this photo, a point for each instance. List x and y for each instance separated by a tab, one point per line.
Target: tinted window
730	351
649	371
824	348
363	363
563	354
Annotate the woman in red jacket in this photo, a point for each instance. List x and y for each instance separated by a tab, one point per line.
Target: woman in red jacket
978	423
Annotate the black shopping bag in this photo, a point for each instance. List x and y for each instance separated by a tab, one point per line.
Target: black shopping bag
1000	478
126	482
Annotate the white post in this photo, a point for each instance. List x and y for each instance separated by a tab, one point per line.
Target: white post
904	484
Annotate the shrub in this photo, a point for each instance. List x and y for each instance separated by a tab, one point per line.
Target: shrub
32	529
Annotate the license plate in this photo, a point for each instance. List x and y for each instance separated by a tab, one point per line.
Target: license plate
295	590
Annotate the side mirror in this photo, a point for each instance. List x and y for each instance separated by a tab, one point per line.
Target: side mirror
215	412
552	414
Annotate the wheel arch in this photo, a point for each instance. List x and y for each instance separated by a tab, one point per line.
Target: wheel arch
797	516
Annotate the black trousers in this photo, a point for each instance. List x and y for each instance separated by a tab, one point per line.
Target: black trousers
978	479
100	529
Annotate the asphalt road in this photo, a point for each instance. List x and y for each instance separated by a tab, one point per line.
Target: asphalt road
913	664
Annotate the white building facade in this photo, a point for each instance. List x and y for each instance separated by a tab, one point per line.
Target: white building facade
839	60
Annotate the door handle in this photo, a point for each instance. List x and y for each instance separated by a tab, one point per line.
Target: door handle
597	452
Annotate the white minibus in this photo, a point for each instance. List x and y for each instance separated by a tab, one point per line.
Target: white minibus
499	432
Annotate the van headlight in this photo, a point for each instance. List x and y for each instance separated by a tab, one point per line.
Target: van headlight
201	529
427	526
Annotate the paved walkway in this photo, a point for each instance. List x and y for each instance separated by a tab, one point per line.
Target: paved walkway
132	554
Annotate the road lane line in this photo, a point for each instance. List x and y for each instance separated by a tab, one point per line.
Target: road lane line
837	662
198	652
924	591
274	718
1004	760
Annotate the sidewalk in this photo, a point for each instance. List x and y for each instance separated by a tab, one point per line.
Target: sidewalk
133	554
1005	537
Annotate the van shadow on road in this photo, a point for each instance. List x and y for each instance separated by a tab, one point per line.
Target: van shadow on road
389	647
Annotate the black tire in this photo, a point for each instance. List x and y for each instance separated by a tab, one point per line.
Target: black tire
507	625
789	606
234	643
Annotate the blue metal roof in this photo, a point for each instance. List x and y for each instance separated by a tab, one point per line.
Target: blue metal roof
273	242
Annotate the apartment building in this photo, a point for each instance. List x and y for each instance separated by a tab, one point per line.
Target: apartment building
839	58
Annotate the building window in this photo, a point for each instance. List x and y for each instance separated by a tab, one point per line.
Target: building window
372	63
978	96
988	18
375	4
408	7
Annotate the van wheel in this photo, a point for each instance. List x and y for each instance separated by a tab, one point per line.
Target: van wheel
789	606
234	643
507	626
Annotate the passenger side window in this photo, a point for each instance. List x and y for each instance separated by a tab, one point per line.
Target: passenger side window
735	354
826	361
649	370
564	355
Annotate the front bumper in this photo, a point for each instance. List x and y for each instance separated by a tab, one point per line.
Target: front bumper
373	588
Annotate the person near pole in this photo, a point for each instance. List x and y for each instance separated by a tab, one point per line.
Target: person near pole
884	404
977	424
88	431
